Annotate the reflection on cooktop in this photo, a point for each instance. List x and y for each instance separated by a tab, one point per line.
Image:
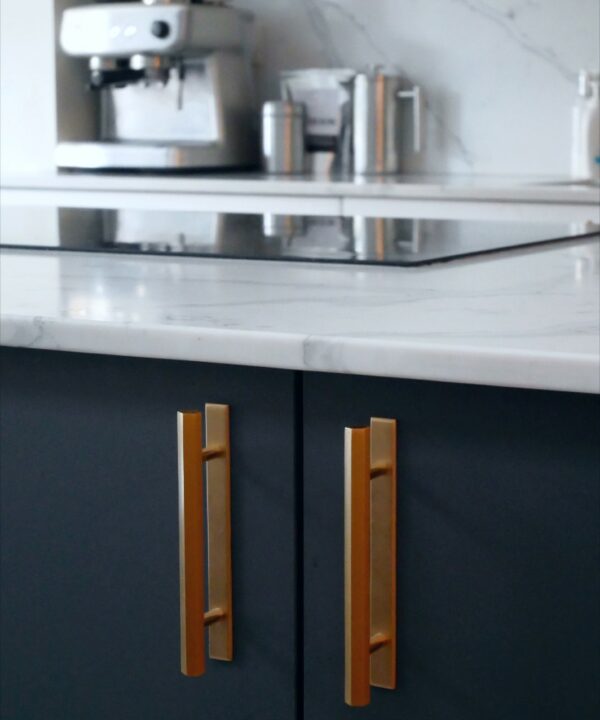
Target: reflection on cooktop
381	241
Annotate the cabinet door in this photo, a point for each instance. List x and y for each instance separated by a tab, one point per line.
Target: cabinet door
498	550
90	578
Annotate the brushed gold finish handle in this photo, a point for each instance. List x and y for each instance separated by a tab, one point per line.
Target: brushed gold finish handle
218	618
357	565
370	559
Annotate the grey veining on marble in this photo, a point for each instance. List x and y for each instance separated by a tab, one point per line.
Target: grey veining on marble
528	319
499	75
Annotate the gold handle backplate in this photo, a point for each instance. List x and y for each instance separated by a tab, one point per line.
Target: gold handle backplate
192	457
370	559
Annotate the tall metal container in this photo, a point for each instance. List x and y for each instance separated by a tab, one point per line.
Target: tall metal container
377	127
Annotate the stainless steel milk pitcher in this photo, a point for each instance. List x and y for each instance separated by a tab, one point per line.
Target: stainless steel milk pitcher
377	127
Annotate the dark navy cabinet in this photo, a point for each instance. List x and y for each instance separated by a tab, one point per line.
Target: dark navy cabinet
498	545
498	550
90	578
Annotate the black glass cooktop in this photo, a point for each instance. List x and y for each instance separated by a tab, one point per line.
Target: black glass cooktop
357	240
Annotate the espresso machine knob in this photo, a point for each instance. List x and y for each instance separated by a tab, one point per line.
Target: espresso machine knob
160	29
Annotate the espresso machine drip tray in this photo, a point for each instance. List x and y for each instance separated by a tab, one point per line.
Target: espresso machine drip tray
353	240
136	156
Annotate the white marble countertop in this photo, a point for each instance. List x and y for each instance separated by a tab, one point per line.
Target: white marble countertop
432	187
528	319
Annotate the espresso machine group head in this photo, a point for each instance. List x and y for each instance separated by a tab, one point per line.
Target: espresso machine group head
170	82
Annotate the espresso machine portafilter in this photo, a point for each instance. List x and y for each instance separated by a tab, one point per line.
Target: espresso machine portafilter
171	83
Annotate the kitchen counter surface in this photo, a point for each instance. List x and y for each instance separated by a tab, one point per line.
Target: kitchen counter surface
528	318
432	187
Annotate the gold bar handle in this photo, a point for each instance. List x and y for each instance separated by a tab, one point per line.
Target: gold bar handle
370	559
357	565
192	457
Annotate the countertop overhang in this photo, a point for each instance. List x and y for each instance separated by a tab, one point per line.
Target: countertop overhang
526	319
485	188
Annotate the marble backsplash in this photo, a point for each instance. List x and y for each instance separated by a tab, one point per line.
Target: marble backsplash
499	76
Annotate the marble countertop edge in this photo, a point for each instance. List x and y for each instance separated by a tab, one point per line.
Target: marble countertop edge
413	187
541	370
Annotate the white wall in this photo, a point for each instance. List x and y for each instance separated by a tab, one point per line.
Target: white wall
500	75
27	110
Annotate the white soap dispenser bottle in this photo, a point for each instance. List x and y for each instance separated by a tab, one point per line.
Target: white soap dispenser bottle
586	129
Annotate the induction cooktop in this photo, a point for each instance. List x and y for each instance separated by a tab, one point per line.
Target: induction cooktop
356	240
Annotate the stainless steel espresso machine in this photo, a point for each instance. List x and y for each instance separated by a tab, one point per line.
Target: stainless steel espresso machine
169	87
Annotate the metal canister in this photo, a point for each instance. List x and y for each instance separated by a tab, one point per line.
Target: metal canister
377	131
283	150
